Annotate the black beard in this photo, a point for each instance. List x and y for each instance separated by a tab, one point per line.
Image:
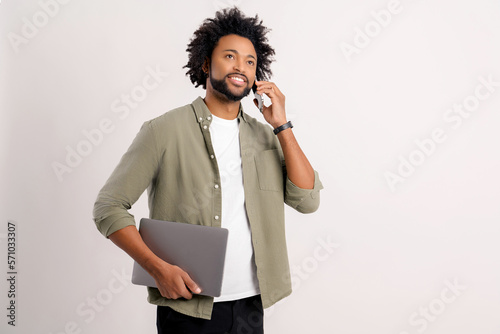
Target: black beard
221	87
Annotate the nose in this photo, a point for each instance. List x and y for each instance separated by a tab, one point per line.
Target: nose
238	65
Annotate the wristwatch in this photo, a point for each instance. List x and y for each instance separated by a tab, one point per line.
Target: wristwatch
283	127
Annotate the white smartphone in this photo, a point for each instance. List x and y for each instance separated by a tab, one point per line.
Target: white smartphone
258	97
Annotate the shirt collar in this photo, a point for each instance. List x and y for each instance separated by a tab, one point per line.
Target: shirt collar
203	113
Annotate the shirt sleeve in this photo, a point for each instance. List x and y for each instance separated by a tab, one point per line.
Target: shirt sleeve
303	200
134	173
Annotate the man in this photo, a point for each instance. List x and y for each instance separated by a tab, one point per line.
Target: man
209	163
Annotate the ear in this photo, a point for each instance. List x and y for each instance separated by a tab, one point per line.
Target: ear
206	66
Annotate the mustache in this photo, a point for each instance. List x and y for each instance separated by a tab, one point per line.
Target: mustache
239	74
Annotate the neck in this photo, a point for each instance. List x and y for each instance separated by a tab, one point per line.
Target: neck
220	106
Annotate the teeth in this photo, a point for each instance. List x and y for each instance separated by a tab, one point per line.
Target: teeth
237	79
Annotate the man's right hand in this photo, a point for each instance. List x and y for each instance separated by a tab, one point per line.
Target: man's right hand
173	282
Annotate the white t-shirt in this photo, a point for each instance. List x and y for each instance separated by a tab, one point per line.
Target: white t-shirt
240	278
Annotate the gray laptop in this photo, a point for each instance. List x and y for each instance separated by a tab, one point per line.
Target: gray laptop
198	250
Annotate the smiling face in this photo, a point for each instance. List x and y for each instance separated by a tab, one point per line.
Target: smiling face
232	68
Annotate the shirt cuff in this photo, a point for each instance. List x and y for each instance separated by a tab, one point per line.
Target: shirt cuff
303	200
114	223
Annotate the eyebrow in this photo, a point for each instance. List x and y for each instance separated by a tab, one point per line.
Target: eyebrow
232	50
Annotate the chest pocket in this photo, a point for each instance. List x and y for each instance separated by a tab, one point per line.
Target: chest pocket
269	170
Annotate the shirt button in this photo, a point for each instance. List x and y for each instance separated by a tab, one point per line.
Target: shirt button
205	127
211	156
209	118
216	186
200	119
216	217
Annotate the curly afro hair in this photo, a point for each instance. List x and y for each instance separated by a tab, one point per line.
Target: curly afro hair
227	22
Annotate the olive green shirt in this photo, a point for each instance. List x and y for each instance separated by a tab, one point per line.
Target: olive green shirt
173	158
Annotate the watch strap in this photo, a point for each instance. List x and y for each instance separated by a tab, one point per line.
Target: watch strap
283	127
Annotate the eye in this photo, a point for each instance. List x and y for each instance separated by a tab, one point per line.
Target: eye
230	56
251	62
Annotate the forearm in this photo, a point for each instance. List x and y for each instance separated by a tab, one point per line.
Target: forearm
172	281
131	242
298	168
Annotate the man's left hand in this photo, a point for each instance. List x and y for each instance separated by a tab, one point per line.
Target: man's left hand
274	114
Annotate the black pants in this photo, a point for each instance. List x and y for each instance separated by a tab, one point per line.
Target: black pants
243	316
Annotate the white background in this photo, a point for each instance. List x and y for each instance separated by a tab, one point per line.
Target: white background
356	116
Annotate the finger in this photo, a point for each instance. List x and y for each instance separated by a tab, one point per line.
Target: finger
191	285
164	292
261	82
161	288
270	91
262	86
265	88
265	84
179	289
186	293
